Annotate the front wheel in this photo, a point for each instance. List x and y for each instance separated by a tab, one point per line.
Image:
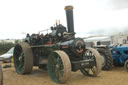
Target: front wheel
59	66
126	65
95	70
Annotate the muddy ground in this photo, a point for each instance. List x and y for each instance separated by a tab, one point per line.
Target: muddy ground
118	76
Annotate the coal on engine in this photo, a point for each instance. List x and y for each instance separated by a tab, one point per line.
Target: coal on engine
60	52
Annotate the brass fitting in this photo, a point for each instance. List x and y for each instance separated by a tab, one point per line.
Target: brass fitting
68	7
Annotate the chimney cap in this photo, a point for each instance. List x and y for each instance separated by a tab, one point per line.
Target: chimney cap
68	7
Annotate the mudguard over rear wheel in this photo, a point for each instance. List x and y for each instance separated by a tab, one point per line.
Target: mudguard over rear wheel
95	70
59	66
23	58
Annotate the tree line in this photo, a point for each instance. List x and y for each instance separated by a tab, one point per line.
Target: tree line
5	46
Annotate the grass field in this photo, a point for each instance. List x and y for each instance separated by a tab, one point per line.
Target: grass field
118	76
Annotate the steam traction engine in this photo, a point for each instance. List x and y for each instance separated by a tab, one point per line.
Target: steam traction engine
59	52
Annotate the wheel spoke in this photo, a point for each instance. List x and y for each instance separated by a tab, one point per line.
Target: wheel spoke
60	74
93	70
20	66
55	61
57	75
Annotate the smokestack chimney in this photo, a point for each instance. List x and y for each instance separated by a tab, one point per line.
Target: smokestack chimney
69	16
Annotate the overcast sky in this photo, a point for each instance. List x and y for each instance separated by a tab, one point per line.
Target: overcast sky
90	16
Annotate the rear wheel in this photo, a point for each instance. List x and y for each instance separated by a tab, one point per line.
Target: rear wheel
23	58
1	76
95	70
59	66
126	65
107	59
